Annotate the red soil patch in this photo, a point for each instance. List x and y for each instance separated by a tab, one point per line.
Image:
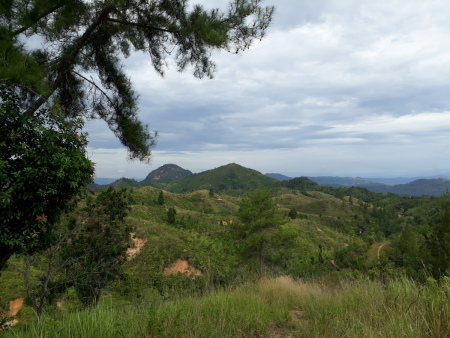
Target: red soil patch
14	306
182	266
138	244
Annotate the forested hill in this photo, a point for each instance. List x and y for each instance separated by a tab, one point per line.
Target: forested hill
420	187
166	173
231	179
431	187
235	179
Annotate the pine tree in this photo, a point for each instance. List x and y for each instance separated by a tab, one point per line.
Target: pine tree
161	197
437	243
83	42
259	218
171	215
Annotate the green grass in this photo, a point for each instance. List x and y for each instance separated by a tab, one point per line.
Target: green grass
365	308
271	307
240	313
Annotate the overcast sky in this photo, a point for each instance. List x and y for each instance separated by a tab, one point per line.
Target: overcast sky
341	88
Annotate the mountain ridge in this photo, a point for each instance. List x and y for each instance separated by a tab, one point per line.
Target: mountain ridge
236	179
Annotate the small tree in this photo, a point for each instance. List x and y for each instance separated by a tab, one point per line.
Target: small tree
211	192
292	213
43	287
171	215
259	217
43	165
98	249
437	243
84	256
161	198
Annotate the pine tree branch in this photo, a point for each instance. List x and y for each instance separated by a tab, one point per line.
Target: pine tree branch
135	24
96	86
43	15
66	62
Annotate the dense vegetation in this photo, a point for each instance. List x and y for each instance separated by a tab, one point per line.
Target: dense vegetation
43	165
343	248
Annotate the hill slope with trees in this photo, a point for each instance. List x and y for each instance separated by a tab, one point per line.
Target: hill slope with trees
235	179
188	244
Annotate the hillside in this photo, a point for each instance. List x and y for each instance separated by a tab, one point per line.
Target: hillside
430	187
166	173
278	177
234	179
123	183
231	179
419	187
327	235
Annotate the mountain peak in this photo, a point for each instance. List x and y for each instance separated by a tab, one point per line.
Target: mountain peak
167	173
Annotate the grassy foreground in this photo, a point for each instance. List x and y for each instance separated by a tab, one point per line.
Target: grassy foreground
279	307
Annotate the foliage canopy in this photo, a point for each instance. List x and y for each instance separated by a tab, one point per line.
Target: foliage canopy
42	166
98	246
83	42
259	216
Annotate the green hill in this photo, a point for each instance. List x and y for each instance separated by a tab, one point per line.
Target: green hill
122	183
229	179
234	179
166	173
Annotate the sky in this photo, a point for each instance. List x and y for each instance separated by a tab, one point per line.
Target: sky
336	88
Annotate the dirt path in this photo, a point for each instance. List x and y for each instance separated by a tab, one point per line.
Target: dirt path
297	316
379	249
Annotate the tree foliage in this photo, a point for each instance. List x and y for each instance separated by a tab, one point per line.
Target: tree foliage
259	217
171	215
437	243
292	213
161	197
43	165
83	42
407	251
98	247
90	249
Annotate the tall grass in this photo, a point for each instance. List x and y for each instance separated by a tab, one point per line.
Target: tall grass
277	307
239	313
365	308
105	321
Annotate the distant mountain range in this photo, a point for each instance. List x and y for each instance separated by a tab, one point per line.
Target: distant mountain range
235	179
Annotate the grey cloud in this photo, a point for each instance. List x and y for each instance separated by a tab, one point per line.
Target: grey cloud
320	87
